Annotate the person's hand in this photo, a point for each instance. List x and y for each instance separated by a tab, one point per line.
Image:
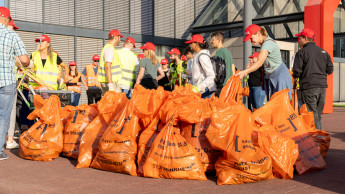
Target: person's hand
111	87
295	82
249	65
86	88
242	74
70	79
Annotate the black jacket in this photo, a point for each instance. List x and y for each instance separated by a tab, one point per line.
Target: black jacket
312	65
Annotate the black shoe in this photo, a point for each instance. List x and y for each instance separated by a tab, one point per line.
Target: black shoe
3	156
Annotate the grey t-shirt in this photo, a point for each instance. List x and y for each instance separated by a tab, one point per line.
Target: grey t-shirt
274	58
150	69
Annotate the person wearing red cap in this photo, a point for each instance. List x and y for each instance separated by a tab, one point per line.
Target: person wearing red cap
277	76
177	68
11	46
149	66
189	55
164	82
312	64
110	66
203	74
129	65
217	40
90	81
74	82
141	56
12	26
256	92
46	62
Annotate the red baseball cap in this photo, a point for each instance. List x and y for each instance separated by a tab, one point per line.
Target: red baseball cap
141	56
95	58
131	40
114	33
5	12
250	30
196	38
72	63
43	38
256	54
12	24
307	32
174	51
184	58
164	61
149	46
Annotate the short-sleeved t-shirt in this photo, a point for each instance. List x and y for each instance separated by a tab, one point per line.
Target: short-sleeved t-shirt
150	69
274	58
227	56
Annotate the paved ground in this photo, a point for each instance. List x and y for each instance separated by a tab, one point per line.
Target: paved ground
59	176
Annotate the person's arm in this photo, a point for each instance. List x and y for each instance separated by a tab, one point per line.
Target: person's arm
206	65
20	51
261	59
233	69
141	75
329	66
83	79
297	65
66	69
161	73
107	66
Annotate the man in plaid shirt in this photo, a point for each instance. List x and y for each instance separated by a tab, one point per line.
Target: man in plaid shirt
10	45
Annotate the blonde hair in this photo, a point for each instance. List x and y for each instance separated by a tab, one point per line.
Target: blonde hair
263	31
152	55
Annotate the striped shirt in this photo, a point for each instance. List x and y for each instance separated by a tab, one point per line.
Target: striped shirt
10	45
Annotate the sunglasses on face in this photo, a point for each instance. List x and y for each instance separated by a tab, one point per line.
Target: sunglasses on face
96	60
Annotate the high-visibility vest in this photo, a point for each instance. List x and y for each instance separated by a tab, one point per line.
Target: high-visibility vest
75	80
175	70
115	67
49	73
91	78
127	59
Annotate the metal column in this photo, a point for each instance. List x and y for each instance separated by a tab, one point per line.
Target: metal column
247	47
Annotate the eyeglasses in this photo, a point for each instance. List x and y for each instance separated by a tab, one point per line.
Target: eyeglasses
96	60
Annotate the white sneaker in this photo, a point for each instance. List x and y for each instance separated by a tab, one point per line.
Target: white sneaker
12	145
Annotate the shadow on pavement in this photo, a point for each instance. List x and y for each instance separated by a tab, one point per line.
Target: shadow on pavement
332	178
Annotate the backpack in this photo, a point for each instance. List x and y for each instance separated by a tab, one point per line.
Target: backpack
219	68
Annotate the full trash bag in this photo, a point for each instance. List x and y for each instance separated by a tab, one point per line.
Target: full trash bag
279	113
43	141
145	142
282	150
233	91
65	112
118	146
76	123
321	138
230	131
172	157
107	108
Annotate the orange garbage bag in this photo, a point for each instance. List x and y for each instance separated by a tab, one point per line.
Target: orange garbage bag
43	141
230	131
279	113
172	157
282	150
64	113
307	118
233	91
107	108
75	126
145	142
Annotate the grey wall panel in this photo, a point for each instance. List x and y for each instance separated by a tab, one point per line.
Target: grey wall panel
26	10
89	14
29	40
164	18
141	17
59	12
184	18
116	15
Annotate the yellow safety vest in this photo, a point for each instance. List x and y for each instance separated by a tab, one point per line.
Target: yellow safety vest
49	73
115	67
91	78
127	59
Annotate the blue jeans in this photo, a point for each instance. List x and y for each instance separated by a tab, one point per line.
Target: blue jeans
256	96
75	99
6	102
207	94
128	93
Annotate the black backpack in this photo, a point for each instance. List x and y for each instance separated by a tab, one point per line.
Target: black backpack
219	68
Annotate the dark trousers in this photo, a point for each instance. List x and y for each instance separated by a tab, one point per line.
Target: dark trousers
315	99
93	95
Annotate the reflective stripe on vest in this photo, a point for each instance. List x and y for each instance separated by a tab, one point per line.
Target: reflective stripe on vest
49	73
127	59
115	67
75	79
91	78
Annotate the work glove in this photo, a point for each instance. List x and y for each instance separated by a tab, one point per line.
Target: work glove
111	87
195	89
